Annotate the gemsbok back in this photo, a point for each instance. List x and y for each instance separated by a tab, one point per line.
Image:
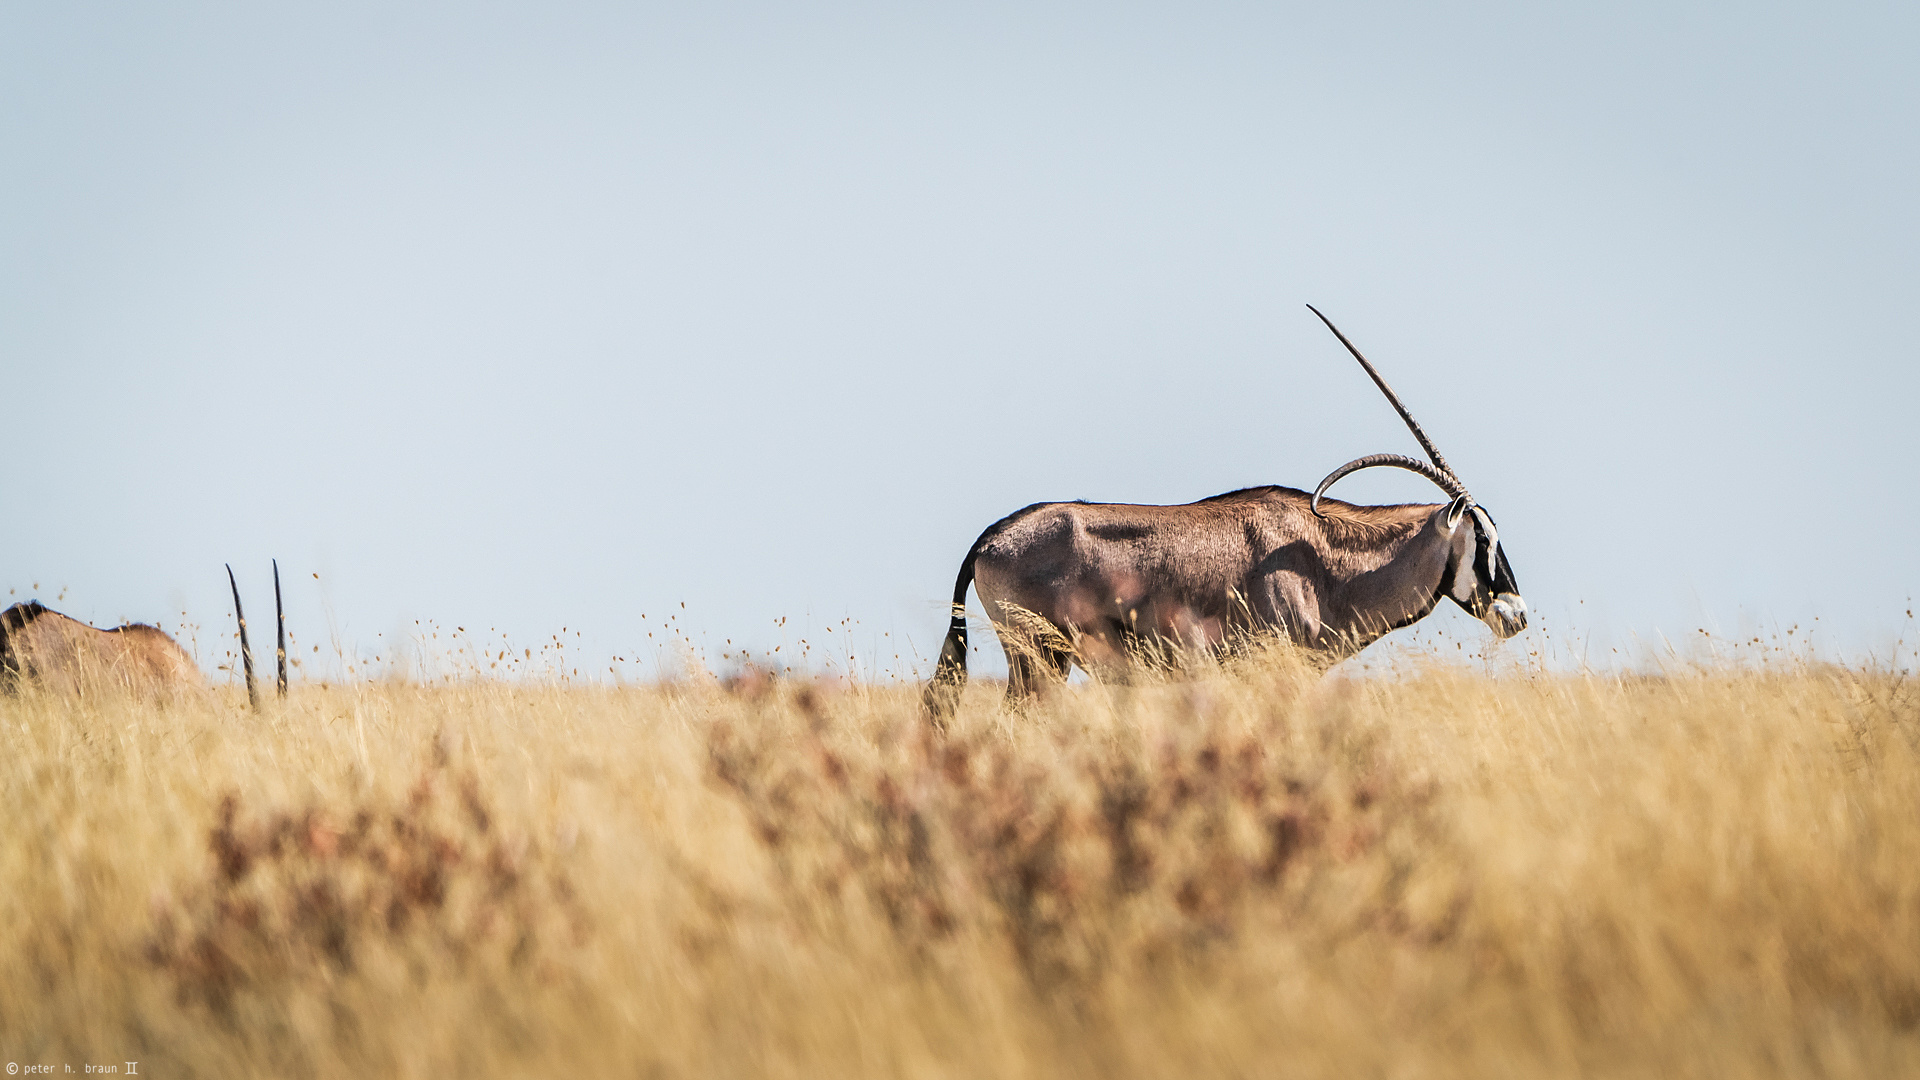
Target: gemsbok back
66	656
1103	584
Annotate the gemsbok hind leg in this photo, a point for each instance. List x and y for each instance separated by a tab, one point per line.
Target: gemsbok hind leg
1023	678
1039	654
1033	670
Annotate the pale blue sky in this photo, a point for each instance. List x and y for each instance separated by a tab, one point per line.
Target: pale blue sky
509	316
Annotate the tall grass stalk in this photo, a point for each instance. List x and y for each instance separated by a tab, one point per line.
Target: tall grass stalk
1259	871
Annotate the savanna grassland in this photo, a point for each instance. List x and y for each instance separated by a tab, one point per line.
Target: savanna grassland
1713	872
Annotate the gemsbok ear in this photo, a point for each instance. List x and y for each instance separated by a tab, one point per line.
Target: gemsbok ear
1460	505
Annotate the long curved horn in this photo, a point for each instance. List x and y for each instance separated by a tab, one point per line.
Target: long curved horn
1412	425
280	646
246	650
1450	484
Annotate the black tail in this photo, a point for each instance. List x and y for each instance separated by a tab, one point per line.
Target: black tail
950	673
280	646
246	650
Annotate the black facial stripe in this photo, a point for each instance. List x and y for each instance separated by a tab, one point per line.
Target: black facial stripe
1503	574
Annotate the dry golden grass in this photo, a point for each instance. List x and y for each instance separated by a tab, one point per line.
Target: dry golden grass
1256	873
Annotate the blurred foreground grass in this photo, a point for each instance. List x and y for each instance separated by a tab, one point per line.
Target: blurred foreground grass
1257	873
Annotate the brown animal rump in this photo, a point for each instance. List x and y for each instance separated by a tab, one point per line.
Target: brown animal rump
67	656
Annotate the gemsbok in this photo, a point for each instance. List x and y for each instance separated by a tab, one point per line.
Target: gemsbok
66	656
1104	585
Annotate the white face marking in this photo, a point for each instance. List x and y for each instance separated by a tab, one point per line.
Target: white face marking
1466	579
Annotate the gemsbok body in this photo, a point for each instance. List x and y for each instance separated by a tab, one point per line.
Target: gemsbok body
1103	584
66	656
